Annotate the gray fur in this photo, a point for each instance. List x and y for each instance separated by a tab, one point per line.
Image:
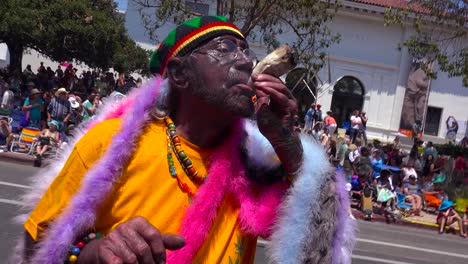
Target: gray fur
318	248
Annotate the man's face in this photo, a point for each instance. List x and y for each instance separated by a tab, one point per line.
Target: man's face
3	123
219	75
62	96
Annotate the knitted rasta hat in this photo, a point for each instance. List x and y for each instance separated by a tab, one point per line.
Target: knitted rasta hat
188	36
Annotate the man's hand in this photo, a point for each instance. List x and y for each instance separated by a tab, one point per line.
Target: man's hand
276	120
135	241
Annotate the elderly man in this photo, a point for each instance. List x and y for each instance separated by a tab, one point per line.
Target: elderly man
181	177
59	108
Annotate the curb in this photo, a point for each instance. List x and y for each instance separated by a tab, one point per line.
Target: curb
20	158
403	222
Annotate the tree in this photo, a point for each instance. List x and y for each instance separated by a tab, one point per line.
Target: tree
441	33
92	32
259	20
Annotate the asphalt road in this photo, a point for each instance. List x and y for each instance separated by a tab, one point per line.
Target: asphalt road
377	242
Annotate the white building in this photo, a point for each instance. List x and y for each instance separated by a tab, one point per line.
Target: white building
367	71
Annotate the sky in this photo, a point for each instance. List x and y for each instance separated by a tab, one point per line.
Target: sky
121	4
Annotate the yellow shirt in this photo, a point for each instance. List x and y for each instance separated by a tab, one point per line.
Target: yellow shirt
145	189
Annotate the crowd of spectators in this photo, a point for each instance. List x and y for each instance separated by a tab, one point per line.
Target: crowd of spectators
409	182
54	101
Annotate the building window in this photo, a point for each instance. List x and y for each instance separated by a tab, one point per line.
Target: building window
348	95
199	8
432	124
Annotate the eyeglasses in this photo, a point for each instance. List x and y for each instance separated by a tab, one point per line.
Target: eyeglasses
226	48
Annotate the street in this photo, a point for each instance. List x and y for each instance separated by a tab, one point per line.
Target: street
377	242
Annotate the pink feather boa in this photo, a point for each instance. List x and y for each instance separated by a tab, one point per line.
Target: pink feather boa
258	204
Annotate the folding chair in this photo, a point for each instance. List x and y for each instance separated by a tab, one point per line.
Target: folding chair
404	207
27	138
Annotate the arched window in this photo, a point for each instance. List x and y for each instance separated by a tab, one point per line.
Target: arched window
348	95
349	85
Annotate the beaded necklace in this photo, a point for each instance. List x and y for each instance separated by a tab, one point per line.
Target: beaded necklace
174	147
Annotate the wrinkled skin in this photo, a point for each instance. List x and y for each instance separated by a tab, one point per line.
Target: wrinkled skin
221	83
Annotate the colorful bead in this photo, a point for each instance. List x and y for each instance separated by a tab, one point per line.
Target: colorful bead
182	155
76	251
174	146
72	259
98	235
191	171
80	244
92	236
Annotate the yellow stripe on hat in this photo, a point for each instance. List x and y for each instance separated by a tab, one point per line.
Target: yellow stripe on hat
211	29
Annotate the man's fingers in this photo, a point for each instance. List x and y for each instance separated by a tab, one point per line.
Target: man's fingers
275	95
173	242
266	78
138	245
153	237
107	256
120	248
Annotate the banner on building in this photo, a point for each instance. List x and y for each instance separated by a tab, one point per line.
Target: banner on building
415	101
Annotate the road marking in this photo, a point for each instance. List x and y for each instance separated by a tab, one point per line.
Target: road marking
15	185
7	201
379	260
433	251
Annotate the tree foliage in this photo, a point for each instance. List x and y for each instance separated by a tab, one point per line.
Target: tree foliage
441	33
90	31
260	21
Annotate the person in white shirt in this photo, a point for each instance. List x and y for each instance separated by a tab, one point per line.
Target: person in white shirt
356	125
7	97
408	171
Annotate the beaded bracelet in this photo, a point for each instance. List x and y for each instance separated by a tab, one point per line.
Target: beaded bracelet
76	249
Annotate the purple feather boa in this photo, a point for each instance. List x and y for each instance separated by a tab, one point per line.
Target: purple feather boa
343	240
79	215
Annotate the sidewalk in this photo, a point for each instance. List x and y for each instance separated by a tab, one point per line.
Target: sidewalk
19	158
426	221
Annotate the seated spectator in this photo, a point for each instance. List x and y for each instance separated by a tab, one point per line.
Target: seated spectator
6	136
465	220
362	160
316	132
412	189
324	139
447	216
377	163
332	150
409	170
48	137
385	193
91	104
297	125
360	181
347	164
